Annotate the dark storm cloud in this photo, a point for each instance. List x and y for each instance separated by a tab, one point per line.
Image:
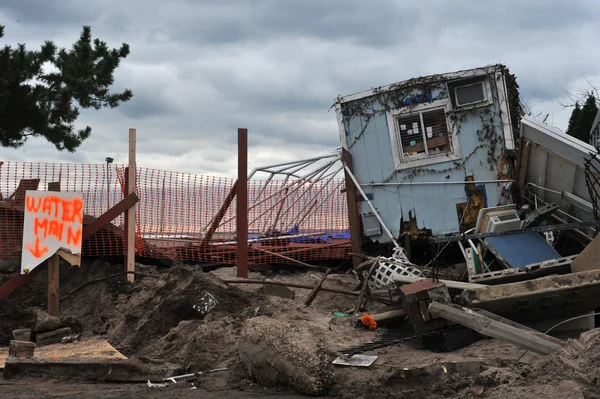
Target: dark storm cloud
201	69
365	23
48	12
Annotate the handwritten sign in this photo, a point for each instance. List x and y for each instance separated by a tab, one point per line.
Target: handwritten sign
53	221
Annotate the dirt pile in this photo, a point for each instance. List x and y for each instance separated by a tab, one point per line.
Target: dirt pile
160	318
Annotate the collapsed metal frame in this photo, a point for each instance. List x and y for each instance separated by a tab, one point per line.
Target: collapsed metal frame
301	179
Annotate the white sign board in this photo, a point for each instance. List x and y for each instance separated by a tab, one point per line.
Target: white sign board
53	221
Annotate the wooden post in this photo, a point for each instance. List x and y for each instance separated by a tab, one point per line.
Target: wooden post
242	204
53	285
53	272
131	175
351	193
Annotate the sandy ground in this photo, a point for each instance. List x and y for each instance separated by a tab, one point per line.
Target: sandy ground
153	319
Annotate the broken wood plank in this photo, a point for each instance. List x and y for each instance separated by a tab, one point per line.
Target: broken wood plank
365	286
525	338
316	290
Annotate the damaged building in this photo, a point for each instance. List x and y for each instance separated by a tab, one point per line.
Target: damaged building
414	144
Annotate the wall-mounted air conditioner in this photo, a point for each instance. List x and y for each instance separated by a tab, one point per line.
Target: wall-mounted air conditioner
500	223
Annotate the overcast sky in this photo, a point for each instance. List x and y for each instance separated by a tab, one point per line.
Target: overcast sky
199	69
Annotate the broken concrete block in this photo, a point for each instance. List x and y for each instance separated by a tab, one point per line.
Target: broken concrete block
278	290
53	337
282	353
22	334
21	349
44	322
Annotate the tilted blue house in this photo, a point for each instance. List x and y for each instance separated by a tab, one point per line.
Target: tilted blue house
430	152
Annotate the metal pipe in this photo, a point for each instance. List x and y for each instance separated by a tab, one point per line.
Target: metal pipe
425	183
301	161
307	287
362	193
577	201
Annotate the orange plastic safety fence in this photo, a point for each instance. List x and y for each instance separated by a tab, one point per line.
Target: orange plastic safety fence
177	213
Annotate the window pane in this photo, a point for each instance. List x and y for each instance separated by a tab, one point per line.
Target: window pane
469	94
411	136
436	130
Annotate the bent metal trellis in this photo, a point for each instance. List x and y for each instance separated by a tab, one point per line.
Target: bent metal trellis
299	211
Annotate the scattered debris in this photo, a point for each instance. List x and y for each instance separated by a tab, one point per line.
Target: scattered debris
355	360
205	304
71	338
151	385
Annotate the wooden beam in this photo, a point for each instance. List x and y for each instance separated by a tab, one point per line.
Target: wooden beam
525	338
311	297
353	215
54	271
110	215
365	286
219	216
130	213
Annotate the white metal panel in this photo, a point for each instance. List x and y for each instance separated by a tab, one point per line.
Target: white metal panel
555	140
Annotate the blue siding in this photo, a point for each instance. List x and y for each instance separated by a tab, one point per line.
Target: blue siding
434	206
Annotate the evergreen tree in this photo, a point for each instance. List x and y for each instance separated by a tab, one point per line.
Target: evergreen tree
582	118
41	91
574	120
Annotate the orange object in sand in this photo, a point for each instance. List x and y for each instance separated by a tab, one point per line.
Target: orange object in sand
368	322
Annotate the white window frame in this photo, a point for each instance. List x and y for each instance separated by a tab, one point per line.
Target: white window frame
394	130
487	92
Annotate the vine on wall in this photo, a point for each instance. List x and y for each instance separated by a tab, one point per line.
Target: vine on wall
420	90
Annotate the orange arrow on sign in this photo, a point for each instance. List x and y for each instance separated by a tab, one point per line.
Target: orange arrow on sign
37	251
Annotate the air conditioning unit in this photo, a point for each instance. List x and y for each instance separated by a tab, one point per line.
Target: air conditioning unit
510	221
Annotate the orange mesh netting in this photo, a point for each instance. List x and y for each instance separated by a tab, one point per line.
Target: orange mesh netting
293	219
